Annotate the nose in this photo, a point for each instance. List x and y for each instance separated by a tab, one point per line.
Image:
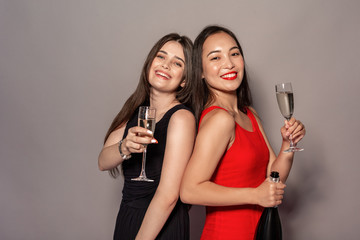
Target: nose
165	64
228	63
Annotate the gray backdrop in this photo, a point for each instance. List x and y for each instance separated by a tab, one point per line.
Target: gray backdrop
66	68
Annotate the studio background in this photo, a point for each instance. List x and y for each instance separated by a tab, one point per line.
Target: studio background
66	68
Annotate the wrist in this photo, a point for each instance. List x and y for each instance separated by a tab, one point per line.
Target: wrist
253	196
125	155
285	143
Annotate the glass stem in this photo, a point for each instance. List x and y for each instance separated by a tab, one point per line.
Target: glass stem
291	142
143	163
290	137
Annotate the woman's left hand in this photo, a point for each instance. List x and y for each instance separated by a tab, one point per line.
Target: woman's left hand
293	129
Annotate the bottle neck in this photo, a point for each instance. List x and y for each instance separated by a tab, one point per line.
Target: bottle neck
275	180
274	177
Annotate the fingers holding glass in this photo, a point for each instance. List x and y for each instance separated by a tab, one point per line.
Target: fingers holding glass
285	99
137	139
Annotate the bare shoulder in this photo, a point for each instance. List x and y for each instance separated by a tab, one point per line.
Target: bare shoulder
181	126
219	118
183	117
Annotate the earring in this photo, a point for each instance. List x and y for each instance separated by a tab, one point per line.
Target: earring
182	84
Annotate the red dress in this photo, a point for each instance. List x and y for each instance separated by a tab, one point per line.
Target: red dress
243	165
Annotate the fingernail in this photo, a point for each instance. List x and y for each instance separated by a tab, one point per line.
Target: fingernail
154	140
149	132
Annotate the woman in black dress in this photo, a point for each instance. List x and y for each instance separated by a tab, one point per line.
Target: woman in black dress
153	210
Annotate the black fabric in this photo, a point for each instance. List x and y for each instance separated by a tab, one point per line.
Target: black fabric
137	195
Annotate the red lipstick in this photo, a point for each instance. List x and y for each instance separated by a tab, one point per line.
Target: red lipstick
229	76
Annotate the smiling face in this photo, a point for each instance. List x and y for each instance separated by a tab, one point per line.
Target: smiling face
167	68
222	63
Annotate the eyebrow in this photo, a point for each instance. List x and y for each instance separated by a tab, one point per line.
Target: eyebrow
217	51
179	58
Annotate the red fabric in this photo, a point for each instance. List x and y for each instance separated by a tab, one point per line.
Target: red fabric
243	165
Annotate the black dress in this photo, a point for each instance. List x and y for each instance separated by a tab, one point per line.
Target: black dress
137	195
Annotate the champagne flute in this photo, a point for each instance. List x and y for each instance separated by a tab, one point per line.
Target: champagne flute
146	119
285	99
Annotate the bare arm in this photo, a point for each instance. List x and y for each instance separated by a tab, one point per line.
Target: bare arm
179	146
283	162
215	136
110	157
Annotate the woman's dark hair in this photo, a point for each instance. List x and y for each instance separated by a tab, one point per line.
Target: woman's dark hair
202	96
142	92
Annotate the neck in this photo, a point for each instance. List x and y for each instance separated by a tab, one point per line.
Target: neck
162	102
227	100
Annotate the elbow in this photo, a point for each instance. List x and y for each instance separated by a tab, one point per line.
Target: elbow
173	200
171	197
192	192
101	168
184	198
101	164
168	200
186	195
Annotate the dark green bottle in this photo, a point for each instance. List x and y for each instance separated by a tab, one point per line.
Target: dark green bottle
269	225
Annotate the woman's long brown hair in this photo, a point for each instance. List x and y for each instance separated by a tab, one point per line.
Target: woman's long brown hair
142	92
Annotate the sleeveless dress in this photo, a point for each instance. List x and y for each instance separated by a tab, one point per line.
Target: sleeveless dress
244	164
136	196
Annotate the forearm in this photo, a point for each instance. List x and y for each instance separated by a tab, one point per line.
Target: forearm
283	162
212	194
109	157
156	215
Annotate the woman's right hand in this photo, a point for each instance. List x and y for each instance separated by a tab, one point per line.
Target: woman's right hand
135	140
270	194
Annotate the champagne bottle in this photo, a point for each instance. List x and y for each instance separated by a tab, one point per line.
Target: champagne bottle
269	225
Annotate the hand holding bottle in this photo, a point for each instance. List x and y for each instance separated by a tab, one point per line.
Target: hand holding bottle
270	194
269	225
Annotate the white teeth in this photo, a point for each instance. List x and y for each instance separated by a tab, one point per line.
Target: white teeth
162	74
229	75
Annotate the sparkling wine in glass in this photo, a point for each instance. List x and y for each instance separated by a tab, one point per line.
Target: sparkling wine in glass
146	119
285	99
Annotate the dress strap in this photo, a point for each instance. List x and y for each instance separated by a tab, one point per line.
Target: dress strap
254	123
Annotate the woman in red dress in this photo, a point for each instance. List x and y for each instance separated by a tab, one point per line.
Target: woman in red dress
232	157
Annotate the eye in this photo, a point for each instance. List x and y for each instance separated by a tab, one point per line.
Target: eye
160	56
235	54
214	58
178	64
